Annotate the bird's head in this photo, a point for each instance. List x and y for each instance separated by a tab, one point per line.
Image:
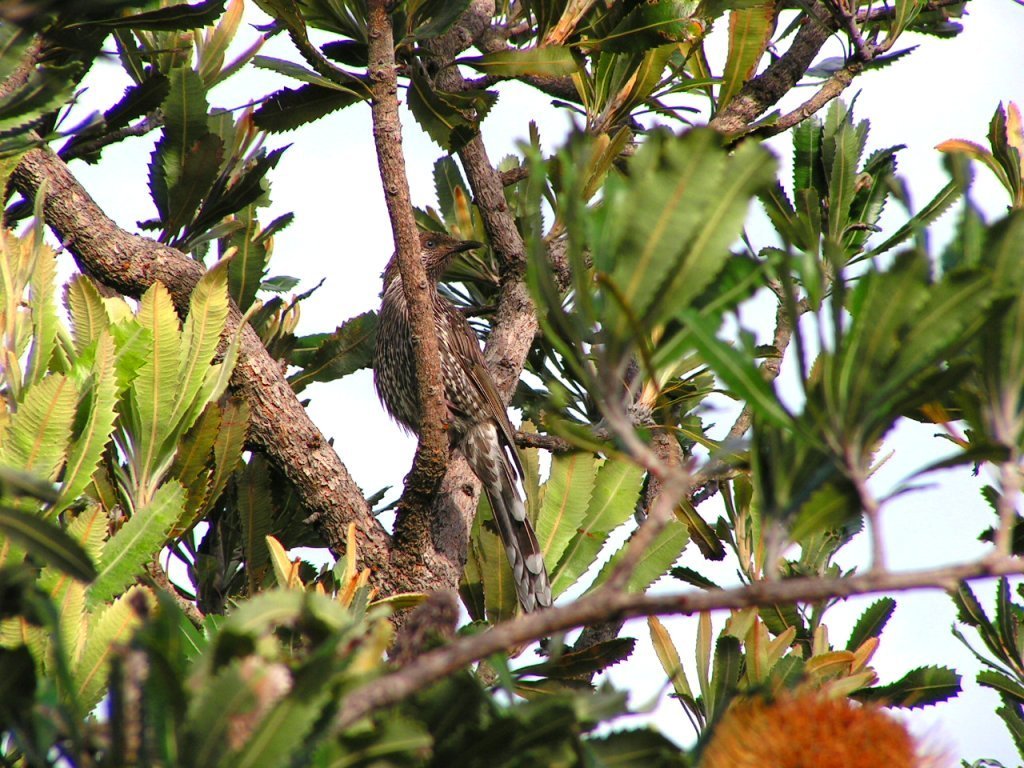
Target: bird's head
437	250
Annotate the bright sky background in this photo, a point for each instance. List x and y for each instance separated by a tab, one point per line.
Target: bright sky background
946	89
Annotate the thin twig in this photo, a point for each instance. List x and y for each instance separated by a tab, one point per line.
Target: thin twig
150	122
607	604
705	480
858	475
1009	493
160	578
831	89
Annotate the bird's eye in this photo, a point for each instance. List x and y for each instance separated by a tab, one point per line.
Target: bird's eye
431	243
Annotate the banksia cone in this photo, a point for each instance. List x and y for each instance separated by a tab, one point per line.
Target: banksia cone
811	731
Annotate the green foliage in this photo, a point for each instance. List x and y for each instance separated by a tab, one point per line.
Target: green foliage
118	436
1002	655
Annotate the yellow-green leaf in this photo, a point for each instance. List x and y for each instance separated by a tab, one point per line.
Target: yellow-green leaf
138	541
750	30
566	498
108	627
36	437
87	310
99	402
155	388
207	314
667	654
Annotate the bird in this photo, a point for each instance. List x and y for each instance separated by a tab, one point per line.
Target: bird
479	426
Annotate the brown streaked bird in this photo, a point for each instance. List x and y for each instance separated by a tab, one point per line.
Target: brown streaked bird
478	423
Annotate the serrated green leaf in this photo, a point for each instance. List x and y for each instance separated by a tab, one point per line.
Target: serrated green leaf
99	405
449	119
650	24
551	61
36	437
255	512
430	18
109	627
871	622
845	147
667	654
248	188
935	207
45	90
566	498
180	17
185	123
88	529
44	312
88	314
664	231
500	599
138	541
46	541
750	31
345	351
193	458
654	562
829	508
920	687
616	489
154	390
190	181
133	343
808	168
228	447
248	266
725	674
584	663
692	577
630	748
1003	684
208	311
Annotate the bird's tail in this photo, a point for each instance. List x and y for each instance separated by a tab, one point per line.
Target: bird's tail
489	462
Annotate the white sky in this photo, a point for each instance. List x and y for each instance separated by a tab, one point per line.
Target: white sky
329	178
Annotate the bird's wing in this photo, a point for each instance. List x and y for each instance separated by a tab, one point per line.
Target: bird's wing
472	360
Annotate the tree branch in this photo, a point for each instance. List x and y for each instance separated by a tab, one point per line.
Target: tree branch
428	469
613	604
513	331
761	92
831	89
770	369
279	425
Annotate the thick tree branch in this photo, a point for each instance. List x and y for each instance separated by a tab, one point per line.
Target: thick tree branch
279	425
438	564
432	453
613	604
780	76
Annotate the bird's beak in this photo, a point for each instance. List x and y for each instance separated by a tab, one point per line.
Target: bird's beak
467	245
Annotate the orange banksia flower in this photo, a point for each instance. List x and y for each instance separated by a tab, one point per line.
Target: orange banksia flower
811	731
